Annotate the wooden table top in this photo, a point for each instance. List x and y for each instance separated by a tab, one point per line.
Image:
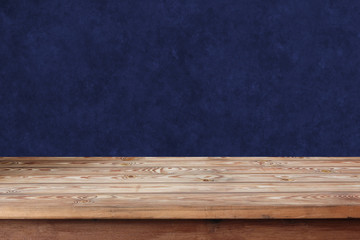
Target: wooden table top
179	187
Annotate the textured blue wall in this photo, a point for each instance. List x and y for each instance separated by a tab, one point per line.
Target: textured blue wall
134	78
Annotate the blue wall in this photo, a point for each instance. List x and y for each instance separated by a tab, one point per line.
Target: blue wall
181	78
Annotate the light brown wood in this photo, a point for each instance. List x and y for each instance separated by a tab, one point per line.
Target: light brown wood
178	178
178	188
175	162
344	229
179	170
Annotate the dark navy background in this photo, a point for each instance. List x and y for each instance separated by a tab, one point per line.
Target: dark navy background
180	78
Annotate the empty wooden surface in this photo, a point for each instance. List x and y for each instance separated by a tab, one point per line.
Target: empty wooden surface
179	188
334	229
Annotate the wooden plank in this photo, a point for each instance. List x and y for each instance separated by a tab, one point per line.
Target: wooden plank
174	170
118	178
168	187
344	229
177	206
202	187
196	200
34	211
168	163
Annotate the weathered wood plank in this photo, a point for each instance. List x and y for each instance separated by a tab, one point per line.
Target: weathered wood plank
169	163
197	200
42	188
210	205
162	178
344	229
174	170
35	211
173	188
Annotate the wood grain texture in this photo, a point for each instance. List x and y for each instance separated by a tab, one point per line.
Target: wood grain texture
178	188
344	229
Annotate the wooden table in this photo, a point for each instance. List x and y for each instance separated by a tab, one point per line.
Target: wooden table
179	198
